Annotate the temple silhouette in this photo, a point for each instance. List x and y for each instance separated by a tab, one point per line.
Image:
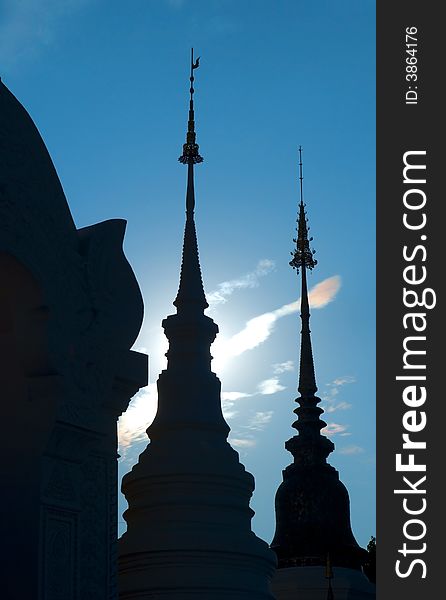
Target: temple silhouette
189	522
312	505
70	311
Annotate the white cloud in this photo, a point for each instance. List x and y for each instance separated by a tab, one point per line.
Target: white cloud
255	332
343	380
324	292
228	400
231	396
330	395
228	412
319	296
250	280
258	329
227	408
339	406
279	368
264	388
351	450
242	442
257	422
260	420
333	429
133	423
270	386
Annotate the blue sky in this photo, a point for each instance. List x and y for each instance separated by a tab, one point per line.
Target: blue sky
107	84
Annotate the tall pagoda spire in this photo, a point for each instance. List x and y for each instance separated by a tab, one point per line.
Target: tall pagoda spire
312	505
303	258
189	522
308	422
190	292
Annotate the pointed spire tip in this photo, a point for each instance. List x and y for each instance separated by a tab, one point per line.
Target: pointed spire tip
303	254
190	148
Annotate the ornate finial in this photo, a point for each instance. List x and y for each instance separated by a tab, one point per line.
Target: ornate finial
302	255
190	148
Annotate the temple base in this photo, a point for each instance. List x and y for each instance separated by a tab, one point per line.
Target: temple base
310	583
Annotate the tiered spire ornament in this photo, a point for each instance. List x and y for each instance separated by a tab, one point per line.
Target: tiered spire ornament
312	505
189	522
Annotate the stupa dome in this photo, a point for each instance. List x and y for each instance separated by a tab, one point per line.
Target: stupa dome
27	174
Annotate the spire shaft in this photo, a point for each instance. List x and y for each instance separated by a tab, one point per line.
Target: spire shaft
301	177
190	192
303	258
190	295
307	381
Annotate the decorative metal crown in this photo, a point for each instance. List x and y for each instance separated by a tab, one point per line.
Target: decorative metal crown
303	255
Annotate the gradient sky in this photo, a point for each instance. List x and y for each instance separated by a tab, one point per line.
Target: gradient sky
106	82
